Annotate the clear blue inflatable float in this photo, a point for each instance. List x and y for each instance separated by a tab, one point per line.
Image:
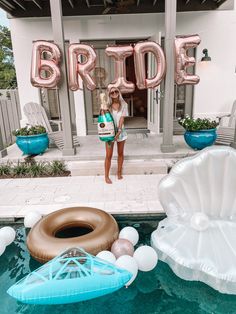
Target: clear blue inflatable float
73	276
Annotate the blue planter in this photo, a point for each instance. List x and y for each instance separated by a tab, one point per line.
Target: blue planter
33	144
200	139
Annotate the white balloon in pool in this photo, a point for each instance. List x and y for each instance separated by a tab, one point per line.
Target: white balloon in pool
129	263
2	246
7	234
129	233
107	256
199	221
146	258
31	219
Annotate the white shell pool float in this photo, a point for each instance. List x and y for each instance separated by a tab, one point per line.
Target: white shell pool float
198	237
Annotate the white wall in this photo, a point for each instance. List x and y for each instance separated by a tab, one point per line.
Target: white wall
213	95
217	88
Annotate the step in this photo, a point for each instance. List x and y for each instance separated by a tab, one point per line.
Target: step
87	168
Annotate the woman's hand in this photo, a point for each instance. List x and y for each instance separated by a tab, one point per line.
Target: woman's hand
119	129
117	135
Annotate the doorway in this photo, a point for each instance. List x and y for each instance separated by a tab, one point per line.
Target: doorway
103	74
137	101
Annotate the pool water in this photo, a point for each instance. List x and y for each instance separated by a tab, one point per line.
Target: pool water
158	291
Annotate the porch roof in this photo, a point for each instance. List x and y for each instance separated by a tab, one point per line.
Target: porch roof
40	8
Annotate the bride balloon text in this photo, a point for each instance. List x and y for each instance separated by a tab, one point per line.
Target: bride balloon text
46	57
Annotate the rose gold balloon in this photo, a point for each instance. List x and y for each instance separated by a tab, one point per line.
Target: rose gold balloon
39	64
183	43
122	247
140	50
77	68
120	53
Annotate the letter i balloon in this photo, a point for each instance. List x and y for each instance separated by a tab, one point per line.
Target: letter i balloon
120	53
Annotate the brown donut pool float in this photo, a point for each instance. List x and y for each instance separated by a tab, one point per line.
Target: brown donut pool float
43	244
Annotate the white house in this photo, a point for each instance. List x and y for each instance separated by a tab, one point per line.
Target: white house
213	96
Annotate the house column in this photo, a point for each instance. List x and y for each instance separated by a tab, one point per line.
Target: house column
170	28
58	36
233	144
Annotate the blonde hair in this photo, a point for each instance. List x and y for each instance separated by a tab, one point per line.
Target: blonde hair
122	102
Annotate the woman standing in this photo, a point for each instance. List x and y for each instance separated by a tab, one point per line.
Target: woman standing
119	110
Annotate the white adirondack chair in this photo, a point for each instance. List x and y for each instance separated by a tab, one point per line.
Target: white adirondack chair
226	129
36	115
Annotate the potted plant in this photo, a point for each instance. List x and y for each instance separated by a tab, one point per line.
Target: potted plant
199	133
32	140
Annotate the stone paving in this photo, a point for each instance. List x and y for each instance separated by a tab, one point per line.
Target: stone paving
137	193
134	194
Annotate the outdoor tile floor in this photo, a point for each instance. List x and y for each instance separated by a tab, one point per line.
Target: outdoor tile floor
133	194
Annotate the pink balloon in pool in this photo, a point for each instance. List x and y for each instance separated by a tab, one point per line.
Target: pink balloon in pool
122	247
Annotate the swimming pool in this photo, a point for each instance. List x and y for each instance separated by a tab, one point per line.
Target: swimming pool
158	291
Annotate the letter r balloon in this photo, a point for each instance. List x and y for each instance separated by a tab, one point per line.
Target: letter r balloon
82	69
39	64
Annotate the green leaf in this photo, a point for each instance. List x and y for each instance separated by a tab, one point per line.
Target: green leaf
7	69
33	130
190	124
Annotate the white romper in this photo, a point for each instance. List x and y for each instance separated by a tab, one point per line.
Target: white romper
116	116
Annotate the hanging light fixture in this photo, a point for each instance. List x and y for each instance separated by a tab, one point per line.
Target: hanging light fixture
206	56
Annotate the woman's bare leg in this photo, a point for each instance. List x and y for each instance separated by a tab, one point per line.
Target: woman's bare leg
120	151
109	153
